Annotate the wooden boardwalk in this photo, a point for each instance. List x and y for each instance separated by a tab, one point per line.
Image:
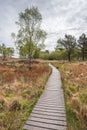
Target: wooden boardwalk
49	112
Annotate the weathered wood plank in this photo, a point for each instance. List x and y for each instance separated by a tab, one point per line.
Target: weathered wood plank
28	127
50	108
48	113
46	125
49	117
47	121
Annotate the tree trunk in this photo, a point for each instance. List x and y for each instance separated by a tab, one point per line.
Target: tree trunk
69	56
30	62
4	56
29	57
83	54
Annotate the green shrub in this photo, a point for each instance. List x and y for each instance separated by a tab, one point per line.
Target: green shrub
1	106
83	97
73	89
26	93
72	120
25	104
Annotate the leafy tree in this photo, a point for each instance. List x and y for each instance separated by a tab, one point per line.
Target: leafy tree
44	55
29	36
82	44
68	43
9	51
76	55
37	53
4	51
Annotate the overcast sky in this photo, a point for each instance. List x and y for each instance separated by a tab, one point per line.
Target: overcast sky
59	17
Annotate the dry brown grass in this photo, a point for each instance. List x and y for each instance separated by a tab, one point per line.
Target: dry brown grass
20	89
74	77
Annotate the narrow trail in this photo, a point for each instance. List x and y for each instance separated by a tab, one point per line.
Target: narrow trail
49	112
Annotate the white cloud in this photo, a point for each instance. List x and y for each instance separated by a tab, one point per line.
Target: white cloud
59	17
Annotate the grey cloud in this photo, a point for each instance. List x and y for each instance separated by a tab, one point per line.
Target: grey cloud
59	17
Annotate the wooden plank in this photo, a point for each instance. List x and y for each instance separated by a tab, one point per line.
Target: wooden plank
28	127
49	114
46	125
51	105
50	108
47	121
49	117
49	111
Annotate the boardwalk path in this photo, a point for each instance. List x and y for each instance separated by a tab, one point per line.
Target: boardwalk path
49	112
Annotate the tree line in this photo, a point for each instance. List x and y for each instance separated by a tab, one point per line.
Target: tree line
68	48
29	40
73	47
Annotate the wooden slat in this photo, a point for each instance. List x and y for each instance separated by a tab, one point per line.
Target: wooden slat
49	111
49	117
46	125
47	121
